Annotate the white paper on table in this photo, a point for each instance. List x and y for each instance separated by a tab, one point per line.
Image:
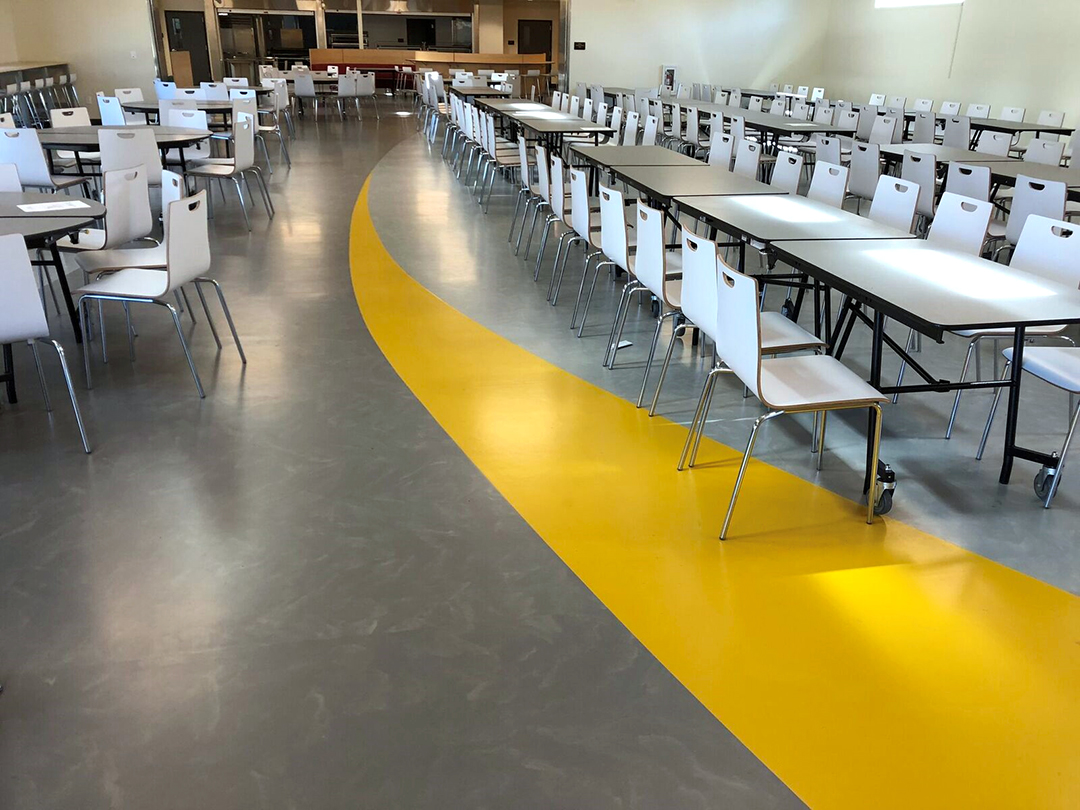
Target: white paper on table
67	205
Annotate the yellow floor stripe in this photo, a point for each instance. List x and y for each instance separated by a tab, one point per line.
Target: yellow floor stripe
867	666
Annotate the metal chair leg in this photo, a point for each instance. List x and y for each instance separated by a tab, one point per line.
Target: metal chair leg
187	351
243	205
742	469
993	410
652	354
206	310
1061	461
228	314
963	376
675	333
71	393
41	376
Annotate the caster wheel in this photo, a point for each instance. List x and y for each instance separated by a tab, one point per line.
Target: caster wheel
1044	479
883	505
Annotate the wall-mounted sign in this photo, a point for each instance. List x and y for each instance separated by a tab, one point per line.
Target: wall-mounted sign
579	46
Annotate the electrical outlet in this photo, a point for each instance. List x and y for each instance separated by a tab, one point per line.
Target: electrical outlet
134	55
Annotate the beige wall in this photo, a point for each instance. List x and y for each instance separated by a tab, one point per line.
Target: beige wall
9	51
1007	53
488	26
96	37
514	10
728	42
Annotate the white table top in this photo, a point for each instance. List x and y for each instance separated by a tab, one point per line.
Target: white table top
633	156
943	154
786	218
932	289
667	182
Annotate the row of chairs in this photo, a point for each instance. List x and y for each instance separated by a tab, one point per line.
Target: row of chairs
29	102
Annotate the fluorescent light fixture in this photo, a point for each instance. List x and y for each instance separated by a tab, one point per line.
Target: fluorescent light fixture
914	3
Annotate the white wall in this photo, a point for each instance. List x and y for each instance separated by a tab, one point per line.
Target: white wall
96	37
745	43
1008	53
9	50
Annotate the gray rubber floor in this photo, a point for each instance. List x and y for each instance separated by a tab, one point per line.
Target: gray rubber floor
298	593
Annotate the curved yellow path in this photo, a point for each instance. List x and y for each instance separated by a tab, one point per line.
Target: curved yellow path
867	666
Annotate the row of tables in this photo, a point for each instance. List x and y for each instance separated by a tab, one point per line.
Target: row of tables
872	266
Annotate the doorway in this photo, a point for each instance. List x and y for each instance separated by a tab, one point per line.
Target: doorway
186	31
534	36
420	33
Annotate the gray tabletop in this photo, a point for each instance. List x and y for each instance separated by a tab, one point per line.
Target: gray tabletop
79	139
153	106
1008	172
479	92
36	229
1001	125
773	218
667	182
10	202
943	154
932	289
762	121
760	93
513	105
626	91
633	156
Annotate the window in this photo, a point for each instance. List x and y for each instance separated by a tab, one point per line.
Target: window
913	3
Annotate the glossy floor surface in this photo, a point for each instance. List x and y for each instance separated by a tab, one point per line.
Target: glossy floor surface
301	593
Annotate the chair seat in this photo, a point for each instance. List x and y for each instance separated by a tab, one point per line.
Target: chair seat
110	260
131	282
1057	365
212	169
89	239
781	334
67	159
813	381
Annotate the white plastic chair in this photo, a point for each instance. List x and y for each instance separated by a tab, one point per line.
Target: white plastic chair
977	111
61	117
659	270
128	95
9	178
130	148
865	169
630	130
304	90
747	159
921	169
22	318
877	100
127	214
960	224
894	203
187	260
923	105
235	81
214	91
924	128
1030	196
365	89
187	119
787	172
1048	153
994	143
884	130
829	184
957	132
164	90
1012	113
648	132
969	180
812	383
238	167
112	115
22	147
721	151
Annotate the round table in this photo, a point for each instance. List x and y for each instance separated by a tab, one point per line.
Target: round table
85	139
149	108
10	210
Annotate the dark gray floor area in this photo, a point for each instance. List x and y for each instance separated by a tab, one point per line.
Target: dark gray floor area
942	488
299	593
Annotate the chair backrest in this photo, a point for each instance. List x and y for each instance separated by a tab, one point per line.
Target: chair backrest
676	122
602	113
235	81
748	159
824	114
616	120
166	106
613	240
828	148
198	94
924	128
868	116
1012	113
721	150
346	86
738	127
112	115
130	148
896	102
969	180
683	92
22	147
975	110
241	92
557	185
1044	151
214	91
164	90
960	224
755	103
802	91
304	85
523	158
172	189
950	108
778	106
9	178
789	88
865	169
630	130
648	133
7	121
829	184
699	267
365	84
650	265
69	117
22	316
1049	248
127	206
735	98
566	101
575	105
187	250
556	100
128	94
957	132
587	109
800	111
693	125
580	219
877	100
738	327
884	130
787	172
894	203
921	169
1030	196
923	105
994	143
817	94
543	172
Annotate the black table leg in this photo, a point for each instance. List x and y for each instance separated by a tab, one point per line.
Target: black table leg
1014	406
9	374
73	312
875	380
